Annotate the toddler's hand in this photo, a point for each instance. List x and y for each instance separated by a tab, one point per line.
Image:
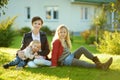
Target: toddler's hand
21	54
37	57
35	53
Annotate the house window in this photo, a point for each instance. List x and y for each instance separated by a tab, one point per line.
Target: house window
95	12
51	13
84	13
0	14
28	13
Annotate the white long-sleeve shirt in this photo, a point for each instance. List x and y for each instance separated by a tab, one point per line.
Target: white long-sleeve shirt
28	53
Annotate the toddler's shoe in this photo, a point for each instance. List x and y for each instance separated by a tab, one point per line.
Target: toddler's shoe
19	68
6	66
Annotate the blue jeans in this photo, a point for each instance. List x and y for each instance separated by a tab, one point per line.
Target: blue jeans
73	59
68	60
17	61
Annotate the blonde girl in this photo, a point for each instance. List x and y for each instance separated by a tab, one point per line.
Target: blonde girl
61	54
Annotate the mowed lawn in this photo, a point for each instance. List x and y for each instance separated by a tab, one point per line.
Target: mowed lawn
59	73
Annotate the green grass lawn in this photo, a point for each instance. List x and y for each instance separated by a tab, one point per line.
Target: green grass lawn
77	42
59	73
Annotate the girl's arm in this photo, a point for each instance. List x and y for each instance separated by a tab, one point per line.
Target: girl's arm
55	53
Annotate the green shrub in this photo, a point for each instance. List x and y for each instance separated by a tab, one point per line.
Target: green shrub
71	36
109	43
24	30
46	29
85	34
89	36
6	33
90	40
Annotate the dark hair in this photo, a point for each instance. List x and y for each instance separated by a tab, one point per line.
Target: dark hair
37	18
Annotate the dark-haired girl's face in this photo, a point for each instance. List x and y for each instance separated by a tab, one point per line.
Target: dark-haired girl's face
37	24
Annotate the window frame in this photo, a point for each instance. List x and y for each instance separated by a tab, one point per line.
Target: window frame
27	13
51	13
84	16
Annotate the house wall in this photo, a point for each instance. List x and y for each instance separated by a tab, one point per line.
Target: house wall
69	13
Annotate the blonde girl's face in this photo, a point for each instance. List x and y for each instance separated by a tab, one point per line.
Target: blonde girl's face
62	33
37	24
36	47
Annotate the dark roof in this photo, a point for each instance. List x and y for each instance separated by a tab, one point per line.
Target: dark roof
94	1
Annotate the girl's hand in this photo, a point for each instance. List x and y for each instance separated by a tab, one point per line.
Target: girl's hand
35	53
37	57
44	57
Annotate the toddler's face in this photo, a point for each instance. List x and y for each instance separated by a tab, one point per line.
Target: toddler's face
36	47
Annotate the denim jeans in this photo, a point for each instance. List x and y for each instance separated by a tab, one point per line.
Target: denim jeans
73	59
39	62
81	63
68	60
17	61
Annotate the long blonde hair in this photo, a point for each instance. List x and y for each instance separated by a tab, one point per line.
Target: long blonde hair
56	36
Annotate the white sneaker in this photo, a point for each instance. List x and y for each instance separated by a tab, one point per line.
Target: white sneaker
19	68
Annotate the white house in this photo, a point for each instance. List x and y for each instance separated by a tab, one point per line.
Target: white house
78	15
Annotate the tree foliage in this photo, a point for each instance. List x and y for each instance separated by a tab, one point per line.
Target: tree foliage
6	32
3	3
109	43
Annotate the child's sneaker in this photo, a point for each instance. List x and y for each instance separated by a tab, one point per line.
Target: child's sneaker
5	66
19	68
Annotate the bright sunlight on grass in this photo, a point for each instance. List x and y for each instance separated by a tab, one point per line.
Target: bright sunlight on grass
59	73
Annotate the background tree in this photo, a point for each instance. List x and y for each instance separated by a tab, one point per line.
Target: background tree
115	7
109	42
3	3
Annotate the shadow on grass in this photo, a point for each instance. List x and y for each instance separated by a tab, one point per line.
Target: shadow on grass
60	72
75	73
69	73
4	57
